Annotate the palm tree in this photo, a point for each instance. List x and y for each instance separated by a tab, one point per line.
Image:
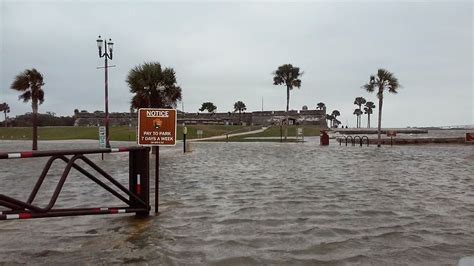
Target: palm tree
357	113
239	106
335	114
383	80
153	87
5	109
289	76
321	106
30	82
330	118
210	107
359	101
368	110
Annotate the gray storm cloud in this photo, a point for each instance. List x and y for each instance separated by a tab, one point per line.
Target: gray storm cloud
225	52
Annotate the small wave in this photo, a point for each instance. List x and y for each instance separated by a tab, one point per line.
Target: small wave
325	248
241	260
376	212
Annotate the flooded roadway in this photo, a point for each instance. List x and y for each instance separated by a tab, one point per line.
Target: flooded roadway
260	203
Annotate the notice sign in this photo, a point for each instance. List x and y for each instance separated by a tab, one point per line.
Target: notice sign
156	127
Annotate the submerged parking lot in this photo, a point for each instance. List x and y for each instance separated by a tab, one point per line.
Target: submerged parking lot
261	203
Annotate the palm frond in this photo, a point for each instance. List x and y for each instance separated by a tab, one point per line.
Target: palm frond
147	80
29	82
370	105
25	97
288	75
296	83
368	87
21	82
239	106
39	95
278	80
357	112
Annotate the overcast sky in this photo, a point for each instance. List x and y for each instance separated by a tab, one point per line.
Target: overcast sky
224	52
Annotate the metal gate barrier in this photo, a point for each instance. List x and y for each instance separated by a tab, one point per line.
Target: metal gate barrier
138	200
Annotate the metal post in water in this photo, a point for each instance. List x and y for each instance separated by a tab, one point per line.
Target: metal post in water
185	131
139	179
157	177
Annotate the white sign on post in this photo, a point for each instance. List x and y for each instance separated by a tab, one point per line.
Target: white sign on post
299	134
199	133
102	134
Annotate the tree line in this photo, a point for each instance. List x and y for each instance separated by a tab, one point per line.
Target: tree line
42	120
382	81
153	86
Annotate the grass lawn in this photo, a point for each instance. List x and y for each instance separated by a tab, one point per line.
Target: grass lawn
119	133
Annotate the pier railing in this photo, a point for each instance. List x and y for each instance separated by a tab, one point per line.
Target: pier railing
136	197
356	139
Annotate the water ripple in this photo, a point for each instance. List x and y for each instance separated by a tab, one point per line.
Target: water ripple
266	203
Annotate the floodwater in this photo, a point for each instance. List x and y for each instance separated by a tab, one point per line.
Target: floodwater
260	203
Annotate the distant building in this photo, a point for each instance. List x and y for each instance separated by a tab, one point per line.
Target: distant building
264	118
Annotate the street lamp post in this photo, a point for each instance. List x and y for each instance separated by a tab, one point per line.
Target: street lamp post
107	55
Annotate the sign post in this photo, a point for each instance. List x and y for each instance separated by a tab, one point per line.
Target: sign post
299	134
157	127
102	139
199	133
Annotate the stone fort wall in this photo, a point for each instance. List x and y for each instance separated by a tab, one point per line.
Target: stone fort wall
264	118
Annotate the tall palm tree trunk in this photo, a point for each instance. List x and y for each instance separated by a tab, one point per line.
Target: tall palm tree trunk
360	116
380	120
368	120
35	124
287	107
240	116
5	119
